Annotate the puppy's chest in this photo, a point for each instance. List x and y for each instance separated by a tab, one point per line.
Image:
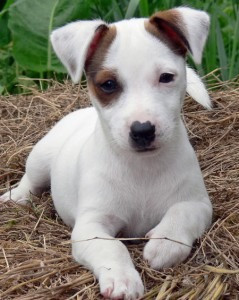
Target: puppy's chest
142	202
142	218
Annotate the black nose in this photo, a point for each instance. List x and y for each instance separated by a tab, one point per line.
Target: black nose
142	134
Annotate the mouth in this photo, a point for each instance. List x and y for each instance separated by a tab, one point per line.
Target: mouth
146	151
151	149
142	147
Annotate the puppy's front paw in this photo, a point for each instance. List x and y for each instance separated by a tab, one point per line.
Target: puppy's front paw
163	253
17	195
120	283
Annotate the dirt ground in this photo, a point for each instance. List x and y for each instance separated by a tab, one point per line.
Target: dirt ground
35	249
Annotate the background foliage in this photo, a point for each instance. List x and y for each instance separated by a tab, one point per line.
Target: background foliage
26	54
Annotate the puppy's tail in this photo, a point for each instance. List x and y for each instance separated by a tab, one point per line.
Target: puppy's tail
196	89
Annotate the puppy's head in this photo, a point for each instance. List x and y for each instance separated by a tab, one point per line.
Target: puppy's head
136	71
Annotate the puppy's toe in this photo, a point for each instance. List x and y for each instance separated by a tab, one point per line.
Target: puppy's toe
107	290
164	253
121	283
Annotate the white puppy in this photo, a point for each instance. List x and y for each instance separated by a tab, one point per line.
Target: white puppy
126	164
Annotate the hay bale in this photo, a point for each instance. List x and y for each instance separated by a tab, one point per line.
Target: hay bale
35	254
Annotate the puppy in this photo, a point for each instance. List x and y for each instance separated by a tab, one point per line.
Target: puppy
126	165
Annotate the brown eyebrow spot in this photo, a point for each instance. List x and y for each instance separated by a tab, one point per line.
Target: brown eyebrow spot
168	26
104	75
99	78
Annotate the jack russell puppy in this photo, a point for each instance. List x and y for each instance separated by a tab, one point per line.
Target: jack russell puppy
125	165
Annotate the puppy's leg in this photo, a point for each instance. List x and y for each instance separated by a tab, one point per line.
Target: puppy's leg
182	224
36	178
21	193
107	258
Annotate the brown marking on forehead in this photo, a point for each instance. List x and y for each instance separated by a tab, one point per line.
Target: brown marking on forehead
169	27
95	71
94	85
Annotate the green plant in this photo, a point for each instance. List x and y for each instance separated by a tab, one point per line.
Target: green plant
25	25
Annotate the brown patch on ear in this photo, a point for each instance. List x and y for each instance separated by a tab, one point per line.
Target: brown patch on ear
99	45
95	72
168	26
99	34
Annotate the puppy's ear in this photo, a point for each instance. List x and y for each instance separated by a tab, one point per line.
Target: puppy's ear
196	89
185	29
76	42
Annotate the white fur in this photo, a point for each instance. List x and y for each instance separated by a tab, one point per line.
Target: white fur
100	185
197	24
70	44
196	89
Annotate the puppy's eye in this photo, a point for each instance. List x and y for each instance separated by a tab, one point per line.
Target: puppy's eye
166	77
109	86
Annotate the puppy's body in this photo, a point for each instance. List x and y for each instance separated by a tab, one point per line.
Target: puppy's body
68	154
106	176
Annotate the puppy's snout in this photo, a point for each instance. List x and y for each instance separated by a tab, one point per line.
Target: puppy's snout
142	134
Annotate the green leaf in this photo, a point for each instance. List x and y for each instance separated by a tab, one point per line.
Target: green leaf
210	53
2	4
31	22
144	8
116	11
133	4
221	53
1	89
235	48
4	31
